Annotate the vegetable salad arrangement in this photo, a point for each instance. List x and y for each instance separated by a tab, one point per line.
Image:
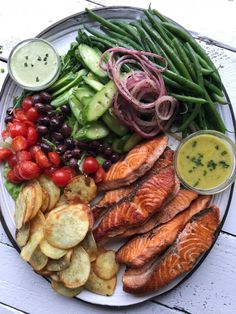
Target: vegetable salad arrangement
117	87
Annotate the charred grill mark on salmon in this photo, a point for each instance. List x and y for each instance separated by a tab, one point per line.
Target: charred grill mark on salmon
180	202
137	162
141	249
194	240
140	205
111	198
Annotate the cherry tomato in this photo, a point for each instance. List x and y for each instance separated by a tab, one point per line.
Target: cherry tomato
70	170
32	115
23	155
33	150
5	134
41	159
27	103
11	177
99	175
32	136
28	170
16	172
90	165
5	153
55	159
17	128
19	114
12	161
49	171
19	143
61	177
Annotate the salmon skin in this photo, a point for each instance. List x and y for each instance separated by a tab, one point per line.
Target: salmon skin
136	163
195	239
180	202
113	197
141	249
146	200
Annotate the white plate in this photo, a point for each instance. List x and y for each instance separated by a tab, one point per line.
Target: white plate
61	35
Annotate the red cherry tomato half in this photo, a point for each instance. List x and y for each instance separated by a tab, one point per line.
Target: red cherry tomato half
27	103
61	177
19	143
32	136
28	170
5	153
11	177
55	159
17	128
5	134
19	114
99	175
23	155
32	115
12	161
90	165
33	150
41	159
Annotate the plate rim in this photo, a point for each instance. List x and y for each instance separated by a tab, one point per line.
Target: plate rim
203	257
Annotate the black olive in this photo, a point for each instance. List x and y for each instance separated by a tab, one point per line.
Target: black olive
48	107
80	144
114	157
36	99
107	151
107	165
50	114
61	149
65	109
8	119
44	121
60	117
46	98
57	136
10	111
66	130
70	143
40	107
55	124
42	129
67	155
45	147
94	145
76	153
100	148
72	162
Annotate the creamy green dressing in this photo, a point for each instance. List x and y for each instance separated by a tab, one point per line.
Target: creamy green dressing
205	162
34	64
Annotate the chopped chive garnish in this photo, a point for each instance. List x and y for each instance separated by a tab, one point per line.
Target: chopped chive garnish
37	79
25	64
2	70
194	144
26	57
39	58
45	63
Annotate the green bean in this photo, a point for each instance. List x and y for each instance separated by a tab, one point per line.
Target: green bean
189	99
213	88
218	99
171	83
130	31
143	34
105	23
191	118
202	119
152	18
207	72
160	16
183	56
196	64
126	39
169	51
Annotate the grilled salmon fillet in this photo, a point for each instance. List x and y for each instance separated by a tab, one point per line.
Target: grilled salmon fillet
146	200
141	249
136	163
180	202
114	196
195	239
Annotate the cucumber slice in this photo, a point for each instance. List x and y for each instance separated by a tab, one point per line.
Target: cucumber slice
76	108
114	124
118	144
100	102
83	91
91	58
97	86
92	131
133	140
86	100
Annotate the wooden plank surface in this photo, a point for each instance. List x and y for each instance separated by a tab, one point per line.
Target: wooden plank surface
210	289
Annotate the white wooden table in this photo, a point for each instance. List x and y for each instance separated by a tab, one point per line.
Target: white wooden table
211	289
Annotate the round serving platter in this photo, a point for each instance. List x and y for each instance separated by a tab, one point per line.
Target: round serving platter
61	34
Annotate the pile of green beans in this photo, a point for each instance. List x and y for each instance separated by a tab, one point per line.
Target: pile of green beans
191	77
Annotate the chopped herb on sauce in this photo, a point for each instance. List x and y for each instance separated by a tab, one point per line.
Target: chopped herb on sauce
25	64
39	58
194	144
217	147
223	153
196	183
2	70
211	165
37	79
204	173
223	164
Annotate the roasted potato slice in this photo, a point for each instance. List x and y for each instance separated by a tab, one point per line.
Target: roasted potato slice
36	235
22	235
51	251
61	263
90	246
54	276
78	272
45	200
62	201
38	260
43	272
66	292
81	189
105	266
100	286
38	197
52	189
67	227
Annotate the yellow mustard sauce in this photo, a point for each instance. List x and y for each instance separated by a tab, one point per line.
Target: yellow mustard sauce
204	162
